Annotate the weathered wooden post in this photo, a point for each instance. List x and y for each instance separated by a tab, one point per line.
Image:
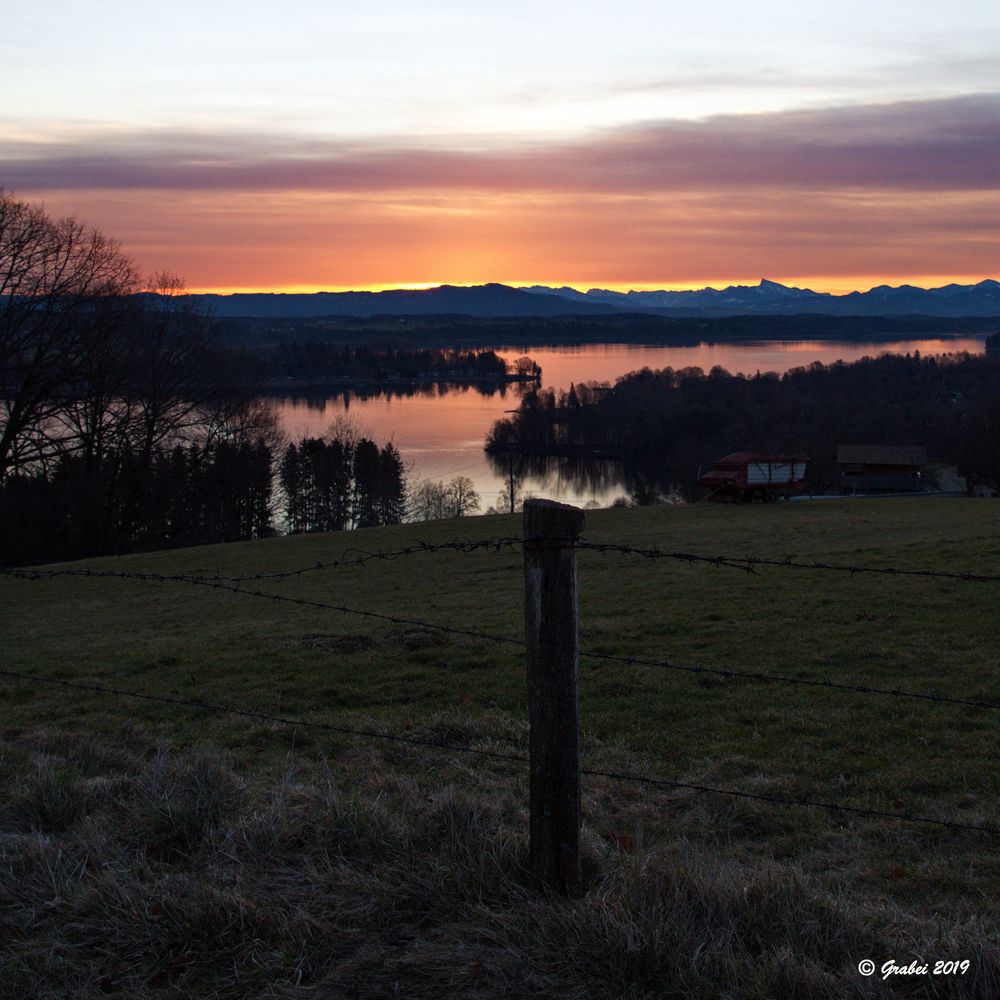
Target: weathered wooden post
550	621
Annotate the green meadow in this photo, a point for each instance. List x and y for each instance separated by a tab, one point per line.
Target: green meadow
904	885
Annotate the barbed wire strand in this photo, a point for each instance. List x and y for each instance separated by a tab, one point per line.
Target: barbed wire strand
753	675
691	558
349	557
666	664
357	557
235	588
258	716
749	563
509	757
780	800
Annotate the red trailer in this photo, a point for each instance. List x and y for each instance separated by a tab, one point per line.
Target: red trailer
744	475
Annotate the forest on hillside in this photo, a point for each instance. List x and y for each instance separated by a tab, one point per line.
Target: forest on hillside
664	426
262	336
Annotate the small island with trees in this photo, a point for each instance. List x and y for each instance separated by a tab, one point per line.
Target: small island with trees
319	364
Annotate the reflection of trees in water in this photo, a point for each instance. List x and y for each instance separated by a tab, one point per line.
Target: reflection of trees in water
648	483
642	482
319	398
559	472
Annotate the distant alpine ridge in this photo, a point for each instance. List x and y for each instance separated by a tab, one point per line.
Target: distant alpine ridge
480	301
774	299
769	298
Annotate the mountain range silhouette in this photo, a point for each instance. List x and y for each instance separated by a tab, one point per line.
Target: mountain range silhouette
503	301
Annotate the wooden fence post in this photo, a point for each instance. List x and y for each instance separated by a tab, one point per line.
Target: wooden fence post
550	621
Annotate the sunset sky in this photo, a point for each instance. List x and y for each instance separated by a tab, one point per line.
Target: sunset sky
300	146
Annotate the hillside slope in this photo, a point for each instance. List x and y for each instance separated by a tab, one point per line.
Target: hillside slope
796	742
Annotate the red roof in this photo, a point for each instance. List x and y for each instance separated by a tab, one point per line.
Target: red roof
746	457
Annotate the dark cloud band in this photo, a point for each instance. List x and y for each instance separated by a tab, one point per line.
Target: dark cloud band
941	145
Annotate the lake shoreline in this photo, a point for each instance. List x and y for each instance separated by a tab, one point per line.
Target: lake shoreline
442	429
275	385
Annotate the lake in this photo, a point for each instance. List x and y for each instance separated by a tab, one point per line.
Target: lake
440	431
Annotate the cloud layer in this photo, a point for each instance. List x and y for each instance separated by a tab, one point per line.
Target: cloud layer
946	144
899	189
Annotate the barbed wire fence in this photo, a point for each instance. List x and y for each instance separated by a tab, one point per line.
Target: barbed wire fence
750	563
519	758
552	872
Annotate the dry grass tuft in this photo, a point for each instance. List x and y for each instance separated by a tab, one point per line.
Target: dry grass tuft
140	876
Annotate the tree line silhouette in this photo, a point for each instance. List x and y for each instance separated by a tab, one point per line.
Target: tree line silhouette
339	482
639	328
193	495
198	494
318	360
125	425
663	426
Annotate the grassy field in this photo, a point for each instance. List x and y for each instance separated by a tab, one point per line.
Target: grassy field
823	887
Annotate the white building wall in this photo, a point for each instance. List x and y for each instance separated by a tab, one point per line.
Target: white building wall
764	473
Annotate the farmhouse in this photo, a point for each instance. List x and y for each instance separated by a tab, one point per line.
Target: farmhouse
881	468
746	475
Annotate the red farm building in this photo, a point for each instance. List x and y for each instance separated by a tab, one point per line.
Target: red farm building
745	475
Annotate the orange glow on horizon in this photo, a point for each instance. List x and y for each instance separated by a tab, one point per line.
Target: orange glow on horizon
835	241
834	286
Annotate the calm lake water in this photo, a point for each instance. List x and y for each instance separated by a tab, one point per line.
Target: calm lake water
440	432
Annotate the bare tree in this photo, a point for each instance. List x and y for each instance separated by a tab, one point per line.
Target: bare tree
247	419
428	501
507	502
526	368
107	391
436	501
461	497
178	379
54	276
